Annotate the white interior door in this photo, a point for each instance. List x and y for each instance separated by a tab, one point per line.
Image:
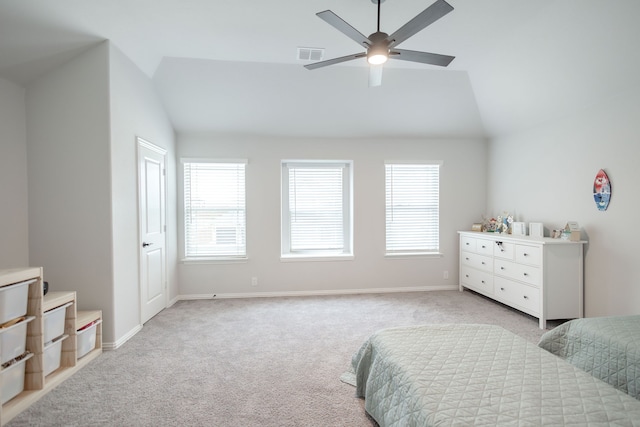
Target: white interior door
152	212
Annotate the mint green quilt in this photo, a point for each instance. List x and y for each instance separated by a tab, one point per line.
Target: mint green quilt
606	347
480	375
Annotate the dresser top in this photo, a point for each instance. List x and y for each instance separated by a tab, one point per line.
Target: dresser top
521	239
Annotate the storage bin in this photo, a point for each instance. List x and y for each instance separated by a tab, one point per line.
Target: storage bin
13	300
86	337
12	379
13	340
52	355
54	322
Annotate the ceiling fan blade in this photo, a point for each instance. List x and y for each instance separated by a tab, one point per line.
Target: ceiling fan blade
427	17
424	57
342	26
334	61
375	75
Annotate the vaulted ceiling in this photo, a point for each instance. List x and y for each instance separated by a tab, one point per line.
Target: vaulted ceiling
232	67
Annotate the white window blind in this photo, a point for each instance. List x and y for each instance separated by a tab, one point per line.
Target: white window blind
316	207
412	207
214	210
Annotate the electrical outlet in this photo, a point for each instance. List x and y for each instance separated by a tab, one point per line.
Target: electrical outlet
445	275
254	281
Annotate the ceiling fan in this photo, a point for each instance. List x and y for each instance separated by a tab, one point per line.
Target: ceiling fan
382	46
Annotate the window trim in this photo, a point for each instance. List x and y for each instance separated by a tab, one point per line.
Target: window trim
347	198
412	253
210	259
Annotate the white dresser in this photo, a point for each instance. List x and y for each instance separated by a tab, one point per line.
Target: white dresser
540	276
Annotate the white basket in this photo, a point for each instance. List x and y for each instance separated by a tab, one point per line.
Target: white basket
52	354
54	322
13	300
87	339
12	380
13	340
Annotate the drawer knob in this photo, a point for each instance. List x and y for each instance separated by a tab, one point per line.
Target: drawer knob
466	275
467	258
501	268
502	289
526	274
501	250
482	262
526	297
482	281
483	246
526	254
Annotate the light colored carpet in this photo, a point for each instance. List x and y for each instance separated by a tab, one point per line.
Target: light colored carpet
251	362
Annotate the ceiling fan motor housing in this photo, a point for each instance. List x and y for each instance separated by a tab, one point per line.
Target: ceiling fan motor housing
378	52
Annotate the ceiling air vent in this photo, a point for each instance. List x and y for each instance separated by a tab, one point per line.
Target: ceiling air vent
310	53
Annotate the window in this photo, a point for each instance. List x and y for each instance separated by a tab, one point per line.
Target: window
214	209
412	208
316	208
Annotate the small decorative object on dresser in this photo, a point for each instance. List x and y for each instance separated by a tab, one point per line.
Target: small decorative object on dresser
571	231
519	229
536	229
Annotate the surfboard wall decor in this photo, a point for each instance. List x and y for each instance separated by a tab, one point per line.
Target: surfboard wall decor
602	190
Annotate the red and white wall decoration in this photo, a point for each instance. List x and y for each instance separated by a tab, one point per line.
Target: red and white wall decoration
602	190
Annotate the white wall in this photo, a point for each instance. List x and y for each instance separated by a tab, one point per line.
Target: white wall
69	180
546	174
462	201
135	111
83	119
14	249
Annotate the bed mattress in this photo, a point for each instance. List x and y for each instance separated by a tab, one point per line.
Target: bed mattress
439	375
606	347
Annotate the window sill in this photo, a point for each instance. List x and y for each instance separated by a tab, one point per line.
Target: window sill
414	255
315	257
196	261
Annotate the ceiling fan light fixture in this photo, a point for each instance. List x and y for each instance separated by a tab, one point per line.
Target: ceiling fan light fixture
377	59
377	55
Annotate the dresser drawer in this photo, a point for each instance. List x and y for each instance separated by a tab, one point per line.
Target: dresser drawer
480	262
503	250
518	294
485	247
512	270
467	244
531	255
481	281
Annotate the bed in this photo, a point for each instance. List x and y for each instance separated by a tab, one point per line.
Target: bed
449	374
606	347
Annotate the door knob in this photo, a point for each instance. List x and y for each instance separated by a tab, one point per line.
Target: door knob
145	244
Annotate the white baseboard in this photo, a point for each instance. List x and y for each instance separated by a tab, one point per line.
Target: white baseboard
121	341
316	293
173	301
